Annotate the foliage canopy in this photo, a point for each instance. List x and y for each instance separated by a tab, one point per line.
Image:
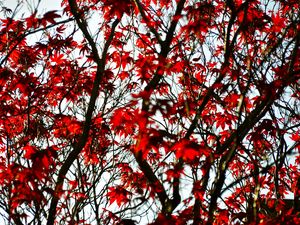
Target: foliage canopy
157	111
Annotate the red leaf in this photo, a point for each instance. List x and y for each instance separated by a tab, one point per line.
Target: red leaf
118	194
295	136
123	75
49	17
187	150
278	22
30	151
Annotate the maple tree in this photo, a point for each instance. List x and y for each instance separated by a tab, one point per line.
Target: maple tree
153	111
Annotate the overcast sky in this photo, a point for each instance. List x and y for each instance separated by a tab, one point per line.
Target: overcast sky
45	5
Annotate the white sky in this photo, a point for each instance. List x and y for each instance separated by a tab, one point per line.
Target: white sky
44	6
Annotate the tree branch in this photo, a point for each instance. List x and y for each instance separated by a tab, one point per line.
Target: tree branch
88	117
234	139
167	205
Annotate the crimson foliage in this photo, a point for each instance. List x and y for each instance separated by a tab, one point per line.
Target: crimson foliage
150	111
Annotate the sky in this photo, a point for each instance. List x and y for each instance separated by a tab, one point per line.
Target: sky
44	5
